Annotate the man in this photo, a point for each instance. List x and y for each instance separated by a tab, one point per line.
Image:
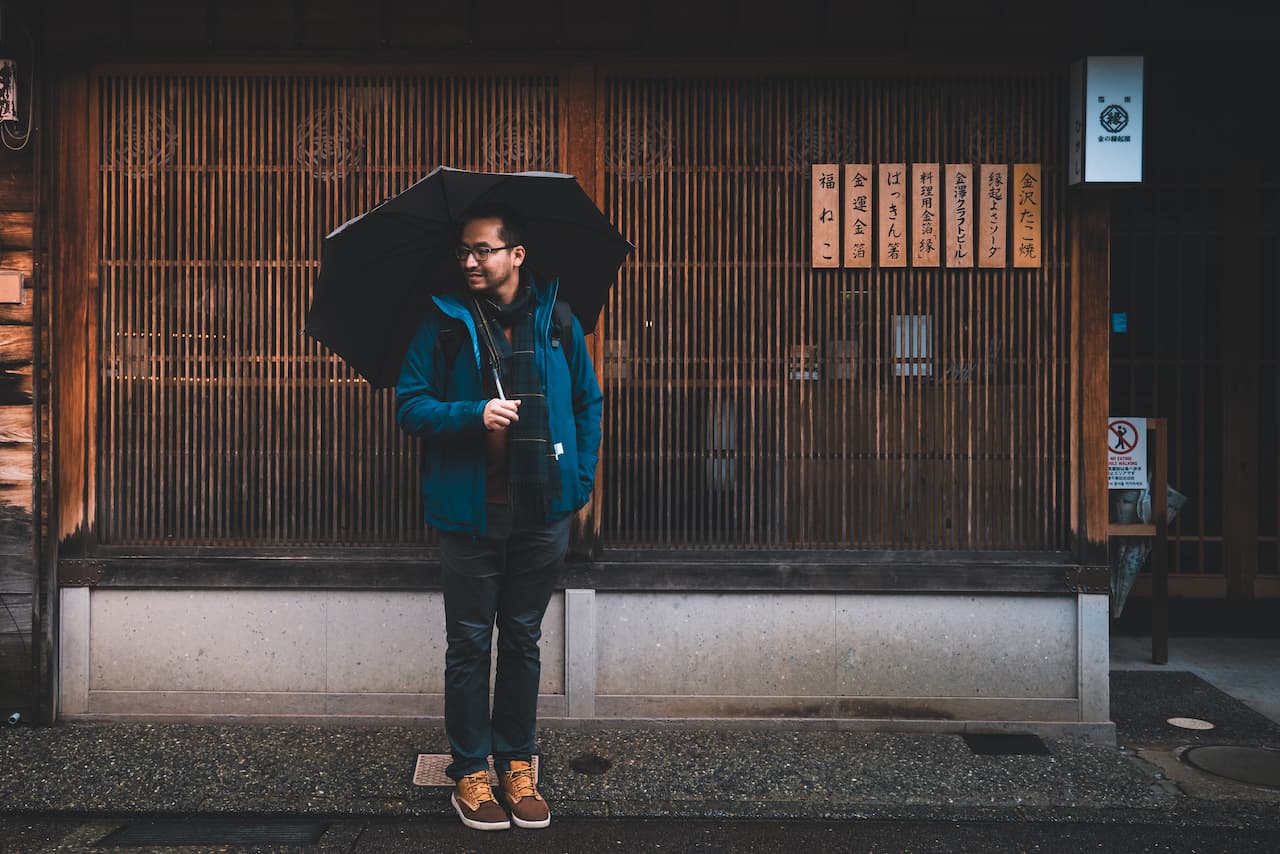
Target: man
512	430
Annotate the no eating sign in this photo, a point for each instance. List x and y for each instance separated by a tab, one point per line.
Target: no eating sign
1127	453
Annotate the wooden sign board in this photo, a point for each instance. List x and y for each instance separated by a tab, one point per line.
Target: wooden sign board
1026	214
993	215
958	203
826	219
858	218
926	219
891	190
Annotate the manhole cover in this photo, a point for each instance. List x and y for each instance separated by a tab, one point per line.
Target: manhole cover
1259	766
1189	723
429	770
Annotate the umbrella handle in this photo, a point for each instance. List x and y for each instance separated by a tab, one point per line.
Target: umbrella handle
497	381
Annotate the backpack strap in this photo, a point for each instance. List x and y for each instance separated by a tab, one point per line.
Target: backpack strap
561	320
449	342
453	336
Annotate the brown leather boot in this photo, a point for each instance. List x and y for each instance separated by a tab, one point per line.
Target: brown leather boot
520	793
473	799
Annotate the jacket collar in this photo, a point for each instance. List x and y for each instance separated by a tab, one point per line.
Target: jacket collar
544	293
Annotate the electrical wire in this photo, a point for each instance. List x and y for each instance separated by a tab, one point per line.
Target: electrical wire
7	135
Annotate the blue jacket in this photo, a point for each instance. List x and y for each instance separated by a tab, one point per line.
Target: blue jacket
447	412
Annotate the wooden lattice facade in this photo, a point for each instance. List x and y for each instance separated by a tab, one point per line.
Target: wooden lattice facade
753	400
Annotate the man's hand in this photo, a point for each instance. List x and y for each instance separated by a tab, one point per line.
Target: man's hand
500	414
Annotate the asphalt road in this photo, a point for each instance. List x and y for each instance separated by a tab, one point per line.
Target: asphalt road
34	835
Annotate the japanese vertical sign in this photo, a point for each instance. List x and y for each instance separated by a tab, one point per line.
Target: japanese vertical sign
857	215
891	188
1126	453
1026	214
926	220
826	221
927	215
959	207
993	214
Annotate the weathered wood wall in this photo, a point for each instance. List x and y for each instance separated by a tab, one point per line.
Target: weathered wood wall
18	533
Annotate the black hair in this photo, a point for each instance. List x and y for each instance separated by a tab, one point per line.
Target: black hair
513	227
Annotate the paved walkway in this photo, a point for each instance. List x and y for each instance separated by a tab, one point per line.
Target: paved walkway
115	771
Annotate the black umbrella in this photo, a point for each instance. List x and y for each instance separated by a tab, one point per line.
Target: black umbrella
379	270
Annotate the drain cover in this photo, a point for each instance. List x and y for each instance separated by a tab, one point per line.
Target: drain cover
1259	766
429	770
1189	723
1017	744
178	833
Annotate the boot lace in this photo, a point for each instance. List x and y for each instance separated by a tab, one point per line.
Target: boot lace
520	782
475	788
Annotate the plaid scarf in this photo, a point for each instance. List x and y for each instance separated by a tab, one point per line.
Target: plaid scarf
532	485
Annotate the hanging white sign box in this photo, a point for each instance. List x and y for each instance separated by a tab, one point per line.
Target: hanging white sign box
1106	121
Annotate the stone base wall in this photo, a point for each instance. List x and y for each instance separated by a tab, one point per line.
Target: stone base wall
893	661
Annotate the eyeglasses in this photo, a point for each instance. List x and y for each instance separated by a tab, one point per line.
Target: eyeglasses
482	253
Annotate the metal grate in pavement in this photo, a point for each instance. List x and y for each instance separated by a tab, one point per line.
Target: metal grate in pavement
177	833
1012	744
430	770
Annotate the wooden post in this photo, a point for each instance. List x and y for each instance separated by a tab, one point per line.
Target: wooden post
1159	461
1090	289
582	154
71	308
1241	300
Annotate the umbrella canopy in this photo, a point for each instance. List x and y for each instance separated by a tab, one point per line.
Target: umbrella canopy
379	270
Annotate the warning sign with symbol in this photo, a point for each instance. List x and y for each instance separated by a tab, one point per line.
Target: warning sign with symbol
1127	453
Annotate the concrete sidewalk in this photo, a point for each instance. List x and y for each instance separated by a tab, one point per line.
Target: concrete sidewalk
668	771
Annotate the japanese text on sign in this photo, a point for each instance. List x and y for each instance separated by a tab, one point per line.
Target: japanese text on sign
1026	216
857	212
925	237
826	224
893	214
1126	453
959	178
993	212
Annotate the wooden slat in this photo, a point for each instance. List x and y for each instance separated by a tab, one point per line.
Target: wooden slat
16	345
15	424
15	464
16	229
17	259
19	313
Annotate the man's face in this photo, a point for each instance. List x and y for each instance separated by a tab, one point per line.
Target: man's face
498	276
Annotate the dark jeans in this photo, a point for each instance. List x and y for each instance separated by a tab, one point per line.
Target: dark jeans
509	581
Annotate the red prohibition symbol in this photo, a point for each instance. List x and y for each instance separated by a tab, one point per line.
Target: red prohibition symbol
1123	437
